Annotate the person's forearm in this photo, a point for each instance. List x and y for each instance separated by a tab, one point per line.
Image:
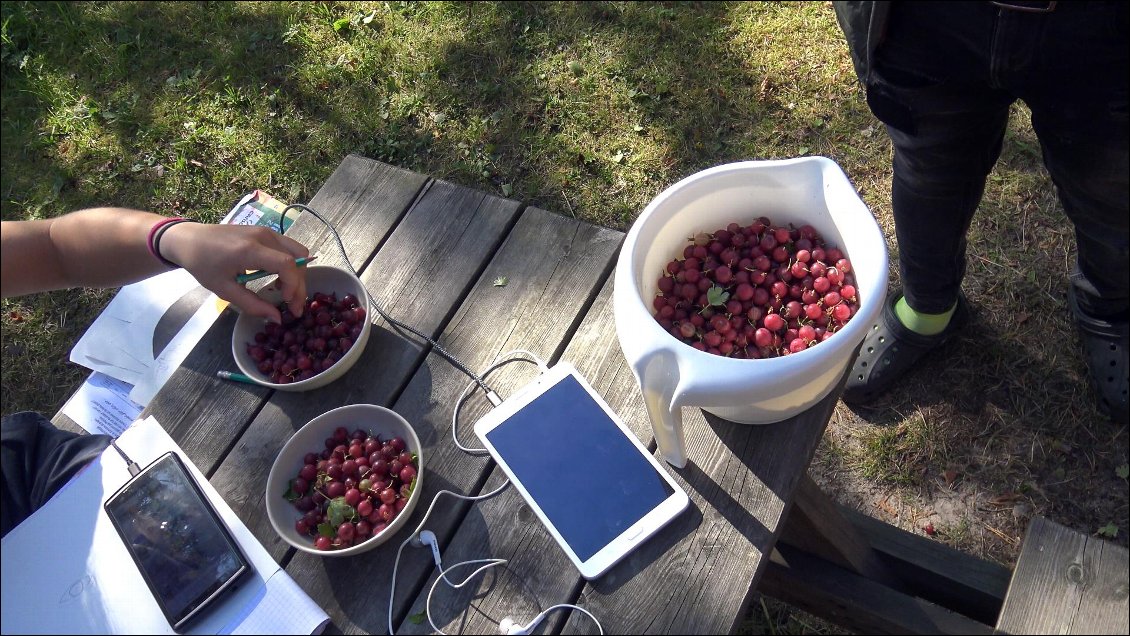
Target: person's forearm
109	247
96	247
106	247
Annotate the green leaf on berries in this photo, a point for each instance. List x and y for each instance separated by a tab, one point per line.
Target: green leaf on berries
1123	471
338	511
717	296
290	495
1109	530
501	281
416	619
326	530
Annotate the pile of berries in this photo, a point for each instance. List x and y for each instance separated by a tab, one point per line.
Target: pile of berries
756	291
301	348
352	489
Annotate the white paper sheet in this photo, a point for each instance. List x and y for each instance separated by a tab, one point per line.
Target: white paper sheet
119	342
177	350
102	405
66	570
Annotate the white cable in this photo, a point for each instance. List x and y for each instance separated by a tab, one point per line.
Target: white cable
490	563
501	360
416	532
526	629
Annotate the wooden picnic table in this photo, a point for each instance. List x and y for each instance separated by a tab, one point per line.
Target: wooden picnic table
433	255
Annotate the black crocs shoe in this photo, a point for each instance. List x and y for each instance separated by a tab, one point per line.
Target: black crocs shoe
1105	349
890	350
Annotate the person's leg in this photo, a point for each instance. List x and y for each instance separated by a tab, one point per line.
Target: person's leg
37	460
1091	179
939	178
1075	82
1078	97
935	62
946	121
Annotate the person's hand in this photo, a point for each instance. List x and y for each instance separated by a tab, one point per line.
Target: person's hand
216	254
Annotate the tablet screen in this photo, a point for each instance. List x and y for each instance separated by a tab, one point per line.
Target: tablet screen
587	477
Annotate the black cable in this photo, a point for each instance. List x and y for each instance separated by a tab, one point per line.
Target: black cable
435	345
134	469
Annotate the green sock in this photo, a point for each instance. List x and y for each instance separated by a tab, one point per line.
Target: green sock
925	324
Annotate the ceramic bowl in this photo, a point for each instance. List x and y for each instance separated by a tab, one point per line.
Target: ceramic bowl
370	418
319	278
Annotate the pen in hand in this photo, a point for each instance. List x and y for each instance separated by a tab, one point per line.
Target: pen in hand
250	276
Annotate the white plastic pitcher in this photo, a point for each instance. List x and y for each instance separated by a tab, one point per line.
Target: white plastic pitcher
671	374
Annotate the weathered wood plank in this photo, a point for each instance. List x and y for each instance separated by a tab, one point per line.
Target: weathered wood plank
1104	608
934	571
61	421
453	256
856	602
554	267
204	414
816	526
1067	583
356	189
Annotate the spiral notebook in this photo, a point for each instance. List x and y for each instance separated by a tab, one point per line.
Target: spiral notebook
66	571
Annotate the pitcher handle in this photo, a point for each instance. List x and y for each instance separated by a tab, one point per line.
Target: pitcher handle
667	426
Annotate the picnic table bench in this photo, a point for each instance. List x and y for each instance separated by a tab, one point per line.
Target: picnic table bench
484	275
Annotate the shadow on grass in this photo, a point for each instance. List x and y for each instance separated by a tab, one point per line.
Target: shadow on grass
1014	420
133	65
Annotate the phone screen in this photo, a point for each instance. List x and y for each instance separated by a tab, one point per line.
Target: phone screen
177	540
588	478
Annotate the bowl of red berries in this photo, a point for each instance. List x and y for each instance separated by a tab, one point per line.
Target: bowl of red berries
308	351
346	481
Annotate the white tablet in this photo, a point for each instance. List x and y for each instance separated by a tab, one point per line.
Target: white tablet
585	475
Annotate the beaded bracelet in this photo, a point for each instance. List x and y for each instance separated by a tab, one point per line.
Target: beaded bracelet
154	240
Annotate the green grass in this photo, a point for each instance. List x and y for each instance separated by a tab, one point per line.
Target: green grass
585	109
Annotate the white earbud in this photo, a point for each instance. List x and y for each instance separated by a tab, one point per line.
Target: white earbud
427	537
509	626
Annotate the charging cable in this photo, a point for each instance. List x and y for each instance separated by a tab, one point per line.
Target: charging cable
131	465
510	626
437	347
501	361
488	563
506	625
423	538
419	537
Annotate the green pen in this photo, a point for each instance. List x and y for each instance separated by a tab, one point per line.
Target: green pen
247	278
236	377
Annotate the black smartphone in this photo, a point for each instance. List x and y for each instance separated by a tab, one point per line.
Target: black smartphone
186	554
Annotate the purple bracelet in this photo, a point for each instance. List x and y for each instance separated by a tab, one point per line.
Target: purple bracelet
153	242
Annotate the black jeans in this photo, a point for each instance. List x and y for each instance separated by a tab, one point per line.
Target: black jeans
944	78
